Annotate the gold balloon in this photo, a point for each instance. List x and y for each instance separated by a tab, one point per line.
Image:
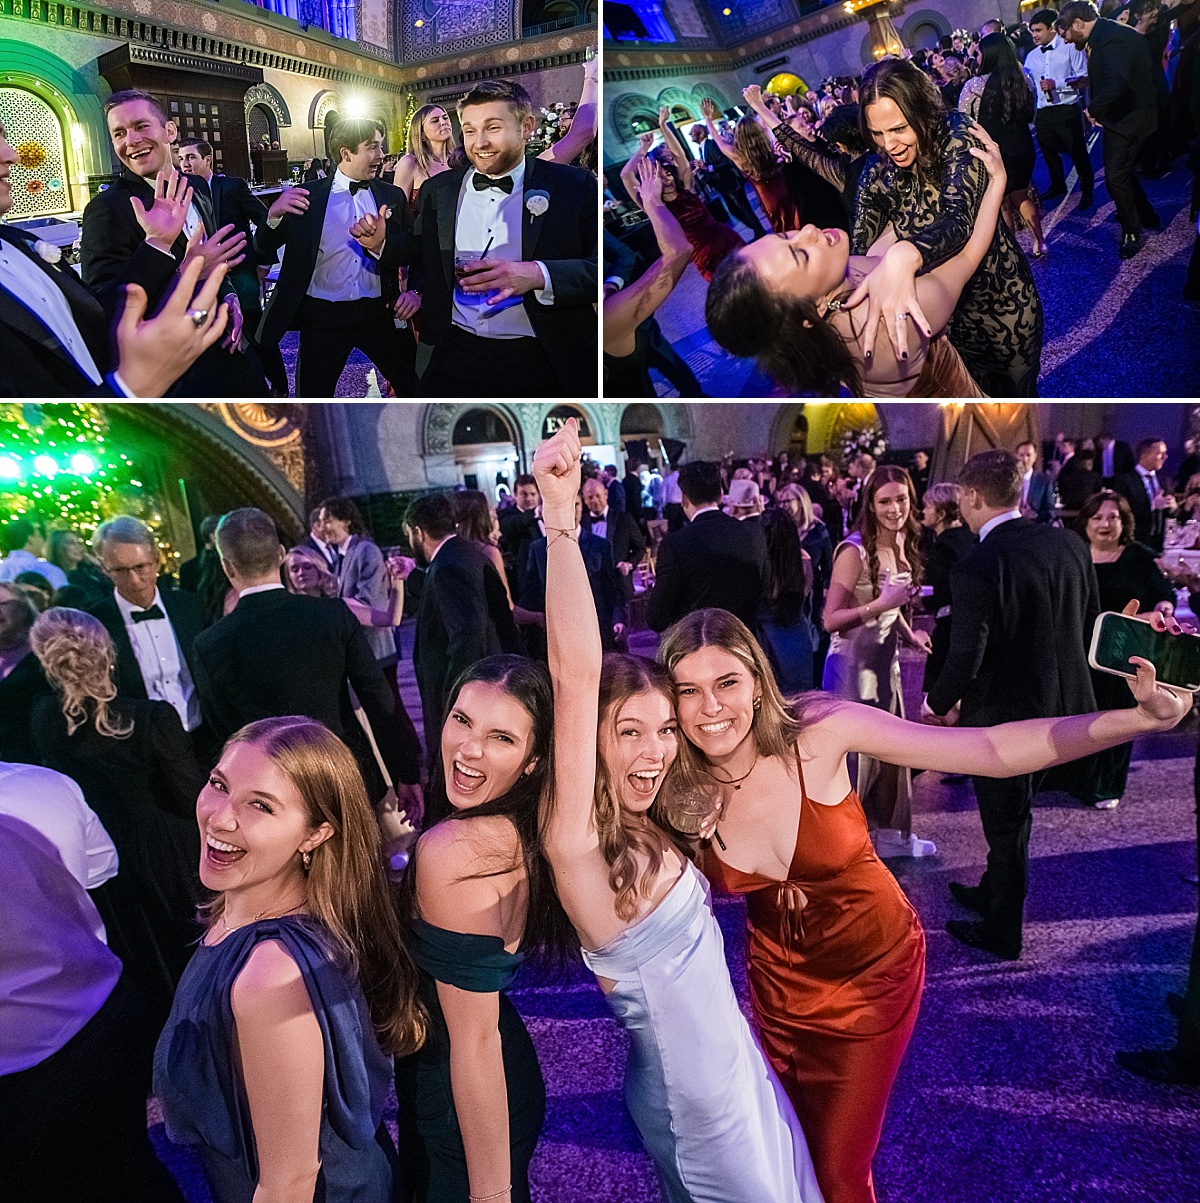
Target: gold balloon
786	84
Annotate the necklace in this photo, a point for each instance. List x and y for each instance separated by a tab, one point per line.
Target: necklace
736	782
260	915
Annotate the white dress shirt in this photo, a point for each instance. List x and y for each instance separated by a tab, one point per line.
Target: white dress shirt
1106	459
999	520
54	805
193	221
1060	62
600	525
159	656
20	561
489	215
344	271
1025	479
21	277
258	589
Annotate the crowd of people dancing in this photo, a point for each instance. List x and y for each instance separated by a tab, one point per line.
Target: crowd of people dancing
211	793
896	199
468	249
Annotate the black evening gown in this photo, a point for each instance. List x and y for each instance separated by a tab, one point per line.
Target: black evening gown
431	1146
997	324
1133	575
948	548
144	789
18	692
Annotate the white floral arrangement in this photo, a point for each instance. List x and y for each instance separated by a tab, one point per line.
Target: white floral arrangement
48	252
864	438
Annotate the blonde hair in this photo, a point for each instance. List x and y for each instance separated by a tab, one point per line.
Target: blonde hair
326	580
778	722
77	655
793	492
346	884
622	842
419	145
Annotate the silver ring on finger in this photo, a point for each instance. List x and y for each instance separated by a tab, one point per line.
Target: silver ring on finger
902	317
198	316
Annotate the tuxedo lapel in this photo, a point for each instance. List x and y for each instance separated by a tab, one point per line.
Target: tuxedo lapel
531	225
86	310
205	206
446	198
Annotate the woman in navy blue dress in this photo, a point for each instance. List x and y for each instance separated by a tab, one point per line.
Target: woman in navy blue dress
274	1063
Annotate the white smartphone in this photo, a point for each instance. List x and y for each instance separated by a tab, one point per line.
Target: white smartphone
1176	658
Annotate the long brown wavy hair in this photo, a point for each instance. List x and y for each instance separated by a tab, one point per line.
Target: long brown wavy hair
914	94
419	145
346	884
779	722
755	146
77	655
622	843
868	525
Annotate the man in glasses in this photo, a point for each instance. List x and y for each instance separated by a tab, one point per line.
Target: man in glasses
153	629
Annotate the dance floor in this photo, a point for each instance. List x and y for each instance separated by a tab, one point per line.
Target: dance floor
1113	329
1008	1090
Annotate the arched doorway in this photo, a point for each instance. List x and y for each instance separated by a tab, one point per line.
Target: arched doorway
261	121
331	120
924	36
484	445
39	178
642	430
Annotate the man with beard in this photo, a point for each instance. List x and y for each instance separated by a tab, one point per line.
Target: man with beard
510	261
143	207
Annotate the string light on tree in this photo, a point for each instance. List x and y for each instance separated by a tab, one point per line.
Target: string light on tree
58	464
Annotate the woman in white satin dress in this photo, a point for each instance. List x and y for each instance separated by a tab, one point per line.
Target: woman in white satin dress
710	1110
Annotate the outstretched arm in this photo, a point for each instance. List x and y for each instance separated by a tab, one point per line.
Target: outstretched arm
1010	749
583	128
626	310
575	654
671	138
629	173
711	113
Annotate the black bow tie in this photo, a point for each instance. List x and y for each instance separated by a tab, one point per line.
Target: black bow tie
1047	48
482	182
146	615
358	185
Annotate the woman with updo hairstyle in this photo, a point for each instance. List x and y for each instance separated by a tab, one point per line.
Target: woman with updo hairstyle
790	302
274	1065
924	184
952	539
135	764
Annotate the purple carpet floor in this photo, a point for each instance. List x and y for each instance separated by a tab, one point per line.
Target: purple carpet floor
1008	1091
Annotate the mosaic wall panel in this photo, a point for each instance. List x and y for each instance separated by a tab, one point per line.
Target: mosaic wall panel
447	26
748	17
685	19
373	24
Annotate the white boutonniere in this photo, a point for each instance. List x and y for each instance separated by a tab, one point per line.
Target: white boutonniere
48	252
537	202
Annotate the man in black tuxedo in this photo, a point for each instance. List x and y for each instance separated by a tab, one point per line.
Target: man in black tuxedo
520	525
1122	97
1148	495
713	561
282	653
522	322
464	613
1025	596
54	330
234	204
142	207
153	630
725	178
345	237
617	528
189	571
316	538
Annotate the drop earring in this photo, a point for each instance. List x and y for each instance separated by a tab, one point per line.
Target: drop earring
306	857
757	702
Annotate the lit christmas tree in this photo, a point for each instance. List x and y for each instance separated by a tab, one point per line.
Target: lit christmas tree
58	464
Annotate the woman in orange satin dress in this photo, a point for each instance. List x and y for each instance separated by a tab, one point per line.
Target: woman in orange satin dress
836	952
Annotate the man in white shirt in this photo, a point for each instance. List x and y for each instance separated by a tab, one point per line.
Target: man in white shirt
1060	72
152	629
1037	489
346	238
509	251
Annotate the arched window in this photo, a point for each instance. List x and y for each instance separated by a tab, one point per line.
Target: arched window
643	123
481	426
641	418
39	176
679	113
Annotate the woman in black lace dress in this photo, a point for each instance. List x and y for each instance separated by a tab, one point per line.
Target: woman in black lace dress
928	187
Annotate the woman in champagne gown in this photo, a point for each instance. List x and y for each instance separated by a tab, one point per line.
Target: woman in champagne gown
710	1111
